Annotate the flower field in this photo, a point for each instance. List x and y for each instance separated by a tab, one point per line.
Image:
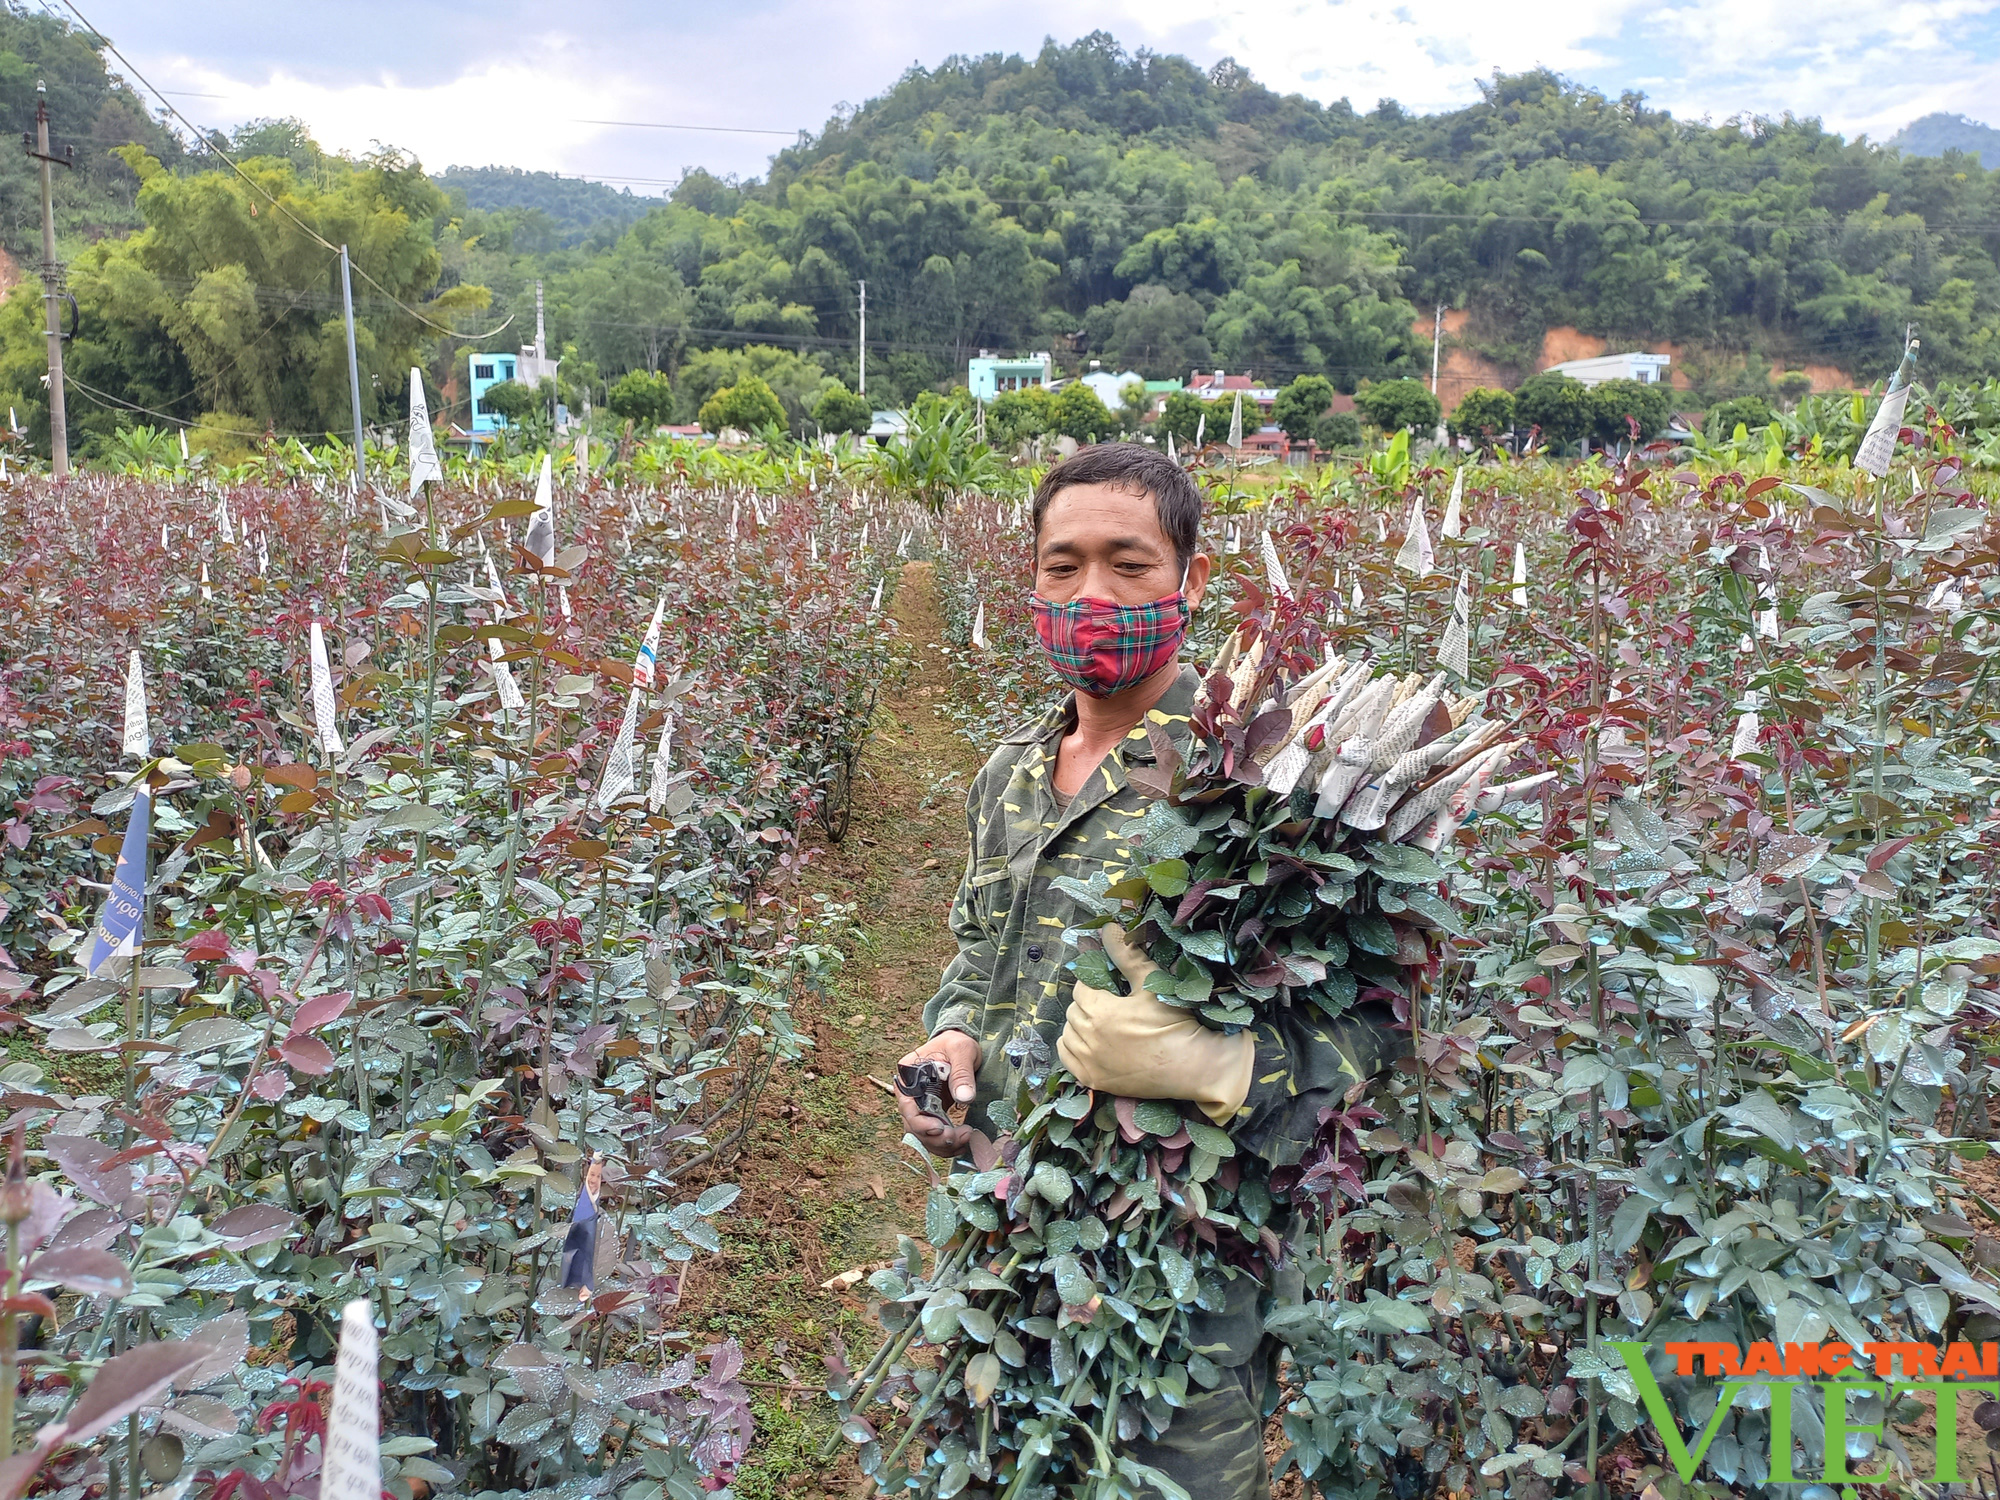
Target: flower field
393	997
1702	1048
1707	1045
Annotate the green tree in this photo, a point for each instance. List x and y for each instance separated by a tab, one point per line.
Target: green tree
1181	415
644	399
1075	411
512	401
219	305
1157	332
1399	405
1612	402
1338	430
1483	414
1557	404
795	380
1752	412
841	410
629	310
1016	416
748	406
1301	405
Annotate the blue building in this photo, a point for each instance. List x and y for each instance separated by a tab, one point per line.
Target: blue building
489	370
987	377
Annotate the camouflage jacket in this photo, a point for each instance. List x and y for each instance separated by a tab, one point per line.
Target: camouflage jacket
1011	970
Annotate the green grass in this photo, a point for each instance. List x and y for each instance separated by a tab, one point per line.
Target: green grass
788	1446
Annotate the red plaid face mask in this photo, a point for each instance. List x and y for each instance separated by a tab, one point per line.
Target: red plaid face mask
1101	647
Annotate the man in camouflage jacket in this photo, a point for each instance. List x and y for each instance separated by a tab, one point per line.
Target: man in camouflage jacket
1011	977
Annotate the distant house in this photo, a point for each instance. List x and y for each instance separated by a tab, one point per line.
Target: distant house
888	426
1218	385
531	367
1110	387
489	370
1647	369
988	376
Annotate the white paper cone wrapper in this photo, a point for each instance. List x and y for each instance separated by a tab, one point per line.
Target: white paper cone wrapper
353	1446
325	711
138	730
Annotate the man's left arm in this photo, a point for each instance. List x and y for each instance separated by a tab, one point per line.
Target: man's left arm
1302	1066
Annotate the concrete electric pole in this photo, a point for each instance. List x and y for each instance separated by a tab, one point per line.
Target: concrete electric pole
353	374
861	346
1437	343
52	284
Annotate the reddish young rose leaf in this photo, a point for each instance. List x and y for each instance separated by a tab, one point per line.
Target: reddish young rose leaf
207	946
87	1163
92	1229
308	1054
127	1382
91	1273
320	1010
253	1224
225	1341
16	1472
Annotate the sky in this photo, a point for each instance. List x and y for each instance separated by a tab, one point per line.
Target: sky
523	83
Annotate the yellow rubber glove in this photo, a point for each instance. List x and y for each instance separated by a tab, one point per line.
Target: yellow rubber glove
1140	1047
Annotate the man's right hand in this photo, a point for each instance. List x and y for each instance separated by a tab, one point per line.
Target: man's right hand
960	1053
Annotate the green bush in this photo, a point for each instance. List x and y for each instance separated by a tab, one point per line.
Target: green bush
510	400
840	410
643	398
1181	415
1016	416
748	406
1338	430
1399	406
1651	406
1752	412
1557	404
1301	405
1483	414
1075	411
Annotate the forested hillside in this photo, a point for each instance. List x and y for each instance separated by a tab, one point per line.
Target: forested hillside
1176	218
1127	207
90	112
571	208
1935	135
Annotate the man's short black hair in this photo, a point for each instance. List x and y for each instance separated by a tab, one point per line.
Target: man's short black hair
1142	470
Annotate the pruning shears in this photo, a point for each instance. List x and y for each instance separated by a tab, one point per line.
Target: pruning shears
924	1083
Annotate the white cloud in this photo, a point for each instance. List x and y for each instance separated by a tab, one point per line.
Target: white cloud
1859	64
496	112
1426	57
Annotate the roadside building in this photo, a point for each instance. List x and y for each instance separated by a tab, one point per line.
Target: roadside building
1647	369
988	376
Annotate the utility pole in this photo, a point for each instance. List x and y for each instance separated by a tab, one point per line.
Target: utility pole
861	348
1437	343
52	277
353	372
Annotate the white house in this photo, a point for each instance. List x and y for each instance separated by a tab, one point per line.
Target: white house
1110	387
1647	369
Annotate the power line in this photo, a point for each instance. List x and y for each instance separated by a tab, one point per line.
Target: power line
708	129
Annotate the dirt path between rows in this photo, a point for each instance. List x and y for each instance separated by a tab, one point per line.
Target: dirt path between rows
827	1183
